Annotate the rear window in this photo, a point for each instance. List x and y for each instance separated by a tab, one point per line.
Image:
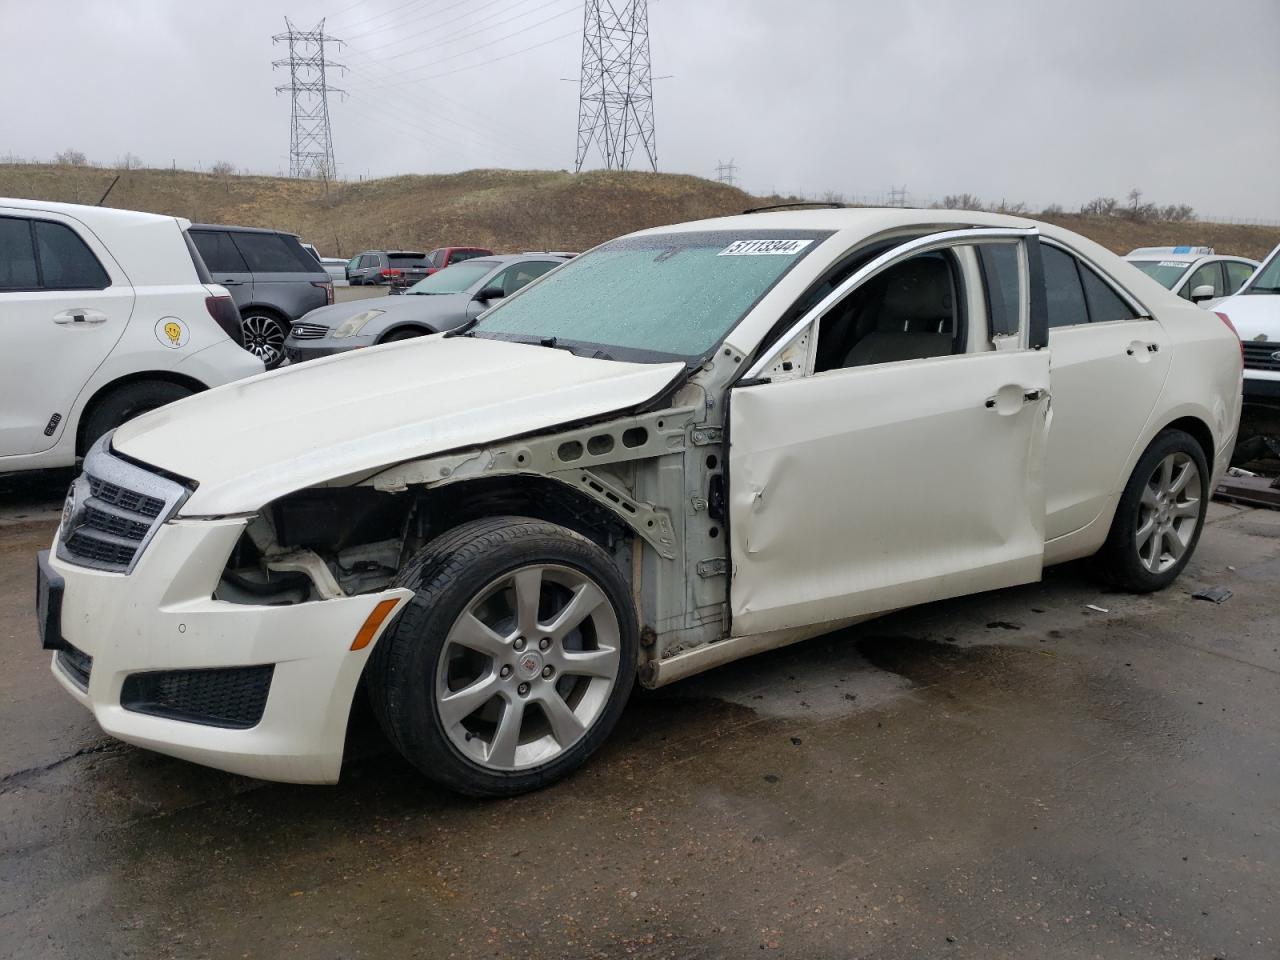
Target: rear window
274	253
407	259
460	255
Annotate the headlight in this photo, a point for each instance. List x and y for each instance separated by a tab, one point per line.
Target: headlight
353	325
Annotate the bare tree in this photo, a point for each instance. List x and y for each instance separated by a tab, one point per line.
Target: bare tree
223	168
1012	209
130	161
1099	207
961	201
1053	210
71	158
1177	213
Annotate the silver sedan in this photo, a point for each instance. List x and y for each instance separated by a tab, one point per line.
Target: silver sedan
441	302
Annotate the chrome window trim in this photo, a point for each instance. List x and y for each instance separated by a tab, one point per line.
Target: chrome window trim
919	245
102	464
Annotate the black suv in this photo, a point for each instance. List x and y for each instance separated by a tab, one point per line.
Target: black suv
272	279
394	268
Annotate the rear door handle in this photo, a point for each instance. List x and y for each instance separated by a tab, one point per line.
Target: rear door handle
1011	397
1140	347
79	317
1034	396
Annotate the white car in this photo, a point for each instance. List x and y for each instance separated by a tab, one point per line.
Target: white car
1255	312
106	314
335	267
683	447
1193	273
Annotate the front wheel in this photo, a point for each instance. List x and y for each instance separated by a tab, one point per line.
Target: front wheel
1160	516
513	661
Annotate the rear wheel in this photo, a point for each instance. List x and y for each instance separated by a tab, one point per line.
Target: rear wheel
1160	516
513	661
264	335
124	403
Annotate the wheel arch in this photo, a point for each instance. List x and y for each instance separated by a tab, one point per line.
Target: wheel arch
142	376
421	328
1199	431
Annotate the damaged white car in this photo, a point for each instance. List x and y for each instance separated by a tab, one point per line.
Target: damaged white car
686	446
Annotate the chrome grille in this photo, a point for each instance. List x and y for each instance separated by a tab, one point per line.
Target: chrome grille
113	510
1262	354
308	331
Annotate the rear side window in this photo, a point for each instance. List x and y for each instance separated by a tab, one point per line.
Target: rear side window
17	255
66	263
43	255
218	252
273	253
1063	292
1105	305
1237	274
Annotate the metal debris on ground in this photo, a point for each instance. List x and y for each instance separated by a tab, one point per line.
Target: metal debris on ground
1214	594
1241	486
1095	608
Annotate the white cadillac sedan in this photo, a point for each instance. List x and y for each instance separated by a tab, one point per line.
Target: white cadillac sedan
686	446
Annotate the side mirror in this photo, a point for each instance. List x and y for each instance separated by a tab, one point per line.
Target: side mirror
491	293
1203	292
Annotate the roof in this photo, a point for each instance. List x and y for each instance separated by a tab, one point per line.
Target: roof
862	220
235	229
90	216
1176	254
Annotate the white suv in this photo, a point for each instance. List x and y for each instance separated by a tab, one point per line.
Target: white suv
105	314
1255	312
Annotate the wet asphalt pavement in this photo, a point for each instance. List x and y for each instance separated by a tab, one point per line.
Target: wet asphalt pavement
1009	775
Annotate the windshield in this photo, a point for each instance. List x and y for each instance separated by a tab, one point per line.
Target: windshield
655	297
1167	273
453	279
1267	279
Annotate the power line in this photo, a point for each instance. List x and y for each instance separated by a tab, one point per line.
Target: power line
615	85
473	66
435	27
310	136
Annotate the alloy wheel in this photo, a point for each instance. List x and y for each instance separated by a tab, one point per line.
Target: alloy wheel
1169	512
263	337
528	667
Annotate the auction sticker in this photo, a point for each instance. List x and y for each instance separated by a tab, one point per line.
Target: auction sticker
172	332
762	248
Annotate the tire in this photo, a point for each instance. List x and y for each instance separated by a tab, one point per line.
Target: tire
264	333
1160	516
399	335
124	403
471	701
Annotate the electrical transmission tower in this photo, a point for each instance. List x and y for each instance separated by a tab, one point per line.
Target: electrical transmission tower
727	173
897	196
310	138
615	93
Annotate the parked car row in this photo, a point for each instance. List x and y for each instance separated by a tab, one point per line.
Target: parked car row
685	446
1193	273
402	268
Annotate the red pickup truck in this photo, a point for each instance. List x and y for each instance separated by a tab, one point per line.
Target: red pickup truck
442	257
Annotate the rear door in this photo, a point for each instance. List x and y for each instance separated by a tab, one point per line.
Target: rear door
1109	366
286	278
64	303
226	265
906	464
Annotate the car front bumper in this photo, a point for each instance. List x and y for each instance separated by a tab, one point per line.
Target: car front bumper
161	617
300	351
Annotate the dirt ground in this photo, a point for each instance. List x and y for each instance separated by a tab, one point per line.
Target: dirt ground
1009	775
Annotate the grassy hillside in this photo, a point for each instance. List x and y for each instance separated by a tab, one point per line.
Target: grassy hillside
503	209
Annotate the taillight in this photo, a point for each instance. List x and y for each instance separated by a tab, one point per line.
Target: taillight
224	312
327	287
1232	327
391	273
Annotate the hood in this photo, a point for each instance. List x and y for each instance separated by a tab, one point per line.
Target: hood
254	440
1256	316
418	306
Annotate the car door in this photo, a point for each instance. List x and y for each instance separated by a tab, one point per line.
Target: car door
64	304
226	265
1110	361
1238	271
907	466
1206	275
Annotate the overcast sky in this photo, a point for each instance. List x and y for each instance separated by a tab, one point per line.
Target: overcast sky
1042	102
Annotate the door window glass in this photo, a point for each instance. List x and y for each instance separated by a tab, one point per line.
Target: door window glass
1063	291
66	262
1003	287
906	312
17	255
1206	275
218	252
1237	274
272	253
1105	305
522	274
